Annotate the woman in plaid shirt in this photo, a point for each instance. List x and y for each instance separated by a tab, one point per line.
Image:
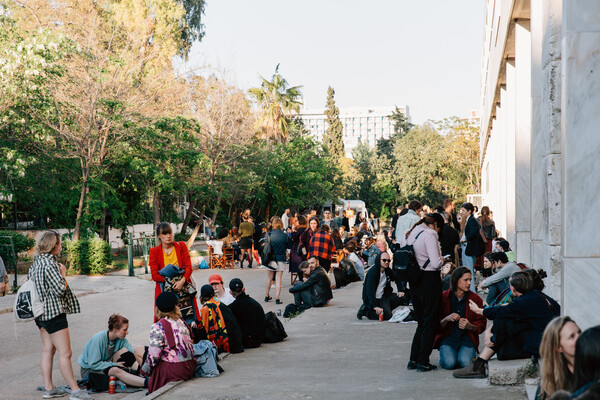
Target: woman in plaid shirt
50	281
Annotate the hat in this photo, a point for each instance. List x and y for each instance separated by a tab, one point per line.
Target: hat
236	285
207	291
215	278
166	301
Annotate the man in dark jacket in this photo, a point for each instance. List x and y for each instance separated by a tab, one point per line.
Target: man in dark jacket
471	240
250	315
378	295
315	291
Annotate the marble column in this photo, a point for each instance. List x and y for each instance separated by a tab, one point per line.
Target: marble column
523	106
581	166
510	142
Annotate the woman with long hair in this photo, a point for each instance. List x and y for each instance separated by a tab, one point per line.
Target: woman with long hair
489	229
280	242
427	293
313	227
171	269
296	256
50	278
557	352
586	367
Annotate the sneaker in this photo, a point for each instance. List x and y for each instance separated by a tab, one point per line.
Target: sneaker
56	392
426	367
277	301
267	298
411	365
476	370
81	394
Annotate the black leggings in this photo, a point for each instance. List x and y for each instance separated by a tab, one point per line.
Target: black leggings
426	297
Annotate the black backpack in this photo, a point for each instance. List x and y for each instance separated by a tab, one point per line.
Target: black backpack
274	331
405	265
266	251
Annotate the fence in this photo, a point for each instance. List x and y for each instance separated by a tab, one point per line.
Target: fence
139	247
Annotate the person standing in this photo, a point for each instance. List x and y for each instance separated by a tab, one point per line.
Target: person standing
280	242
296	255
322	247
50	279
3	279
246	242
471	240
327	220
408	220
449	208
285	219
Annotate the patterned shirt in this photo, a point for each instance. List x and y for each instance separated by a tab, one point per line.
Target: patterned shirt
160	350
321	245
52	288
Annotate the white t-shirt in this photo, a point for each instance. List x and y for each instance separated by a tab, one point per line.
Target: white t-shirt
227	298
381	286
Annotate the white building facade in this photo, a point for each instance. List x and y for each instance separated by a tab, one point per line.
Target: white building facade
540	141
361	125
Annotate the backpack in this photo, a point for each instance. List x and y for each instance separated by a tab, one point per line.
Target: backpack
266	255
274	331
405	265
28	305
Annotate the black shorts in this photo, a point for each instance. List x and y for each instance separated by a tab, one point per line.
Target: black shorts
245	243
55	324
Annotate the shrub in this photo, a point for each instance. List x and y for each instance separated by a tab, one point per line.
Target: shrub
181	237
22	242
88	256
100	255
77	252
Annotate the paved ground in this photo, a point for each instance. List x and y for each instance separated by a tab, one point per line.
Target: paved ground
329	353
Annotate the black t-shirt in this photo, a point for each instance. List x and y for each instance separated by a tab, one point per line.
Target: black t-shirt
448	239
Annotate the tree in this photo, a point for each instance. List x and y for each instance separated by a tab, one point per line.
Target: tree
333	140
277	102
401	124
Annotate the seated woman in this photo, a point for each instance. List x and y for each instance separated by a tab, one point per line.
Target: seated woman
378	296
373	249
350	253
497	282
109	353
211	319
586	366
518	326
315	291
557	353
171	351
458	333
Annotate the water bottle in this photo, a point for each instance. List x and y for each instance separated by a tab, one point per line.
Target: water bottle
112	385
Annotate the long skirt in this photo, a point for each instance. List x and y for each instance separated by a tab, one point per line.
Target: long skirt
165	372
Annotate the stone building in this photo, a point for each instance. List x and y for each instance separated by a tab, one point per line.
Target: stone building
540	141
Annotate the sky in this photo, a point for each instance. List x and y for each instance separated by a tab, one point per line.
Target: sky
375	53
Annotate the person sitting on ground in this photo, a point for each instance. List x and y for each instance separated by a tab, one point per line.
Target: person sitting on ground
350	253
223	294
557	353
458	332
373	250
212	321
109	353
343	232
378	295
351	235
504	246
249	313
345	273
322	247
315	291
234	333
498	282
518	326
171	351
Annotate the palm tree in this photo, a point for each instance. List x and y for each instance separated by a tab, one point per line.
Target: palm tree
277	102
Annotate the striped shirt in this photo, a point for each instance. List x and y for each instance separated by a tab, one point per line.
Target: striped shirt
52	288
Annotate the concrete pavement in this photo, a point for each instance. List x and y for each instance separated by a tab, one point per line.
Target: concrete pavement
329	353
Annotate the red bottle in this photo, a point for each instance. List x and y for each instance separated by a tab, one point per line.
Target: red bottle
112	385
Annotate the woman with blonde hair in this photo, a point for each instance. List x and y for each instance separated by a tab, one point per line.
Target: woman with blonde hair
557	351
50	278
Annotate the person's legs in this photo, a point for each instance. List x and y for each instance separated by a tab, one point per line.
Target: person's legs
138	352
493	292
48	351
466	354
418	309
62	342
431	287
126	377
278	278
448	357
270	275
389	304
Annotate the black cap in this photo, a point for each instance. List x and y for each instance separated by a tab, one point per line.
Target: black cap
236	285
166	301
207	291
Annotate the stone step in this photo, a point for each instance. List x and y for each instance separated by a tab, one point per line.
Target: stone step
511	372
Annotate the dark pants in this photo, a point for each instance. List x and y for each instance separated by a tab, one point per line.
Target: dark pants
509	336
304	299
388	304
325	263
426	298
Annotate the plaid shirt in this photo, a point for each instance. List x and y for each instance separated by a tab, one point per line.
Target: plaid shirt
321	245
52	288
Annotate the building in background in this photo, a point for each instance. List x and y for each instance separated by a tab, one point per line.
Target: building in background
361	125
540	93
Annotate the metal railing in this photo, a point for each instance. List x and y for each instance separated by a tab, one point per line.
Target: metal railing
9	256
139	247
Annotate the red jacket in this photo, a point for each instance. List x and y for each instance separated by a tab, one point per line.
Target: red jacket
479	320
157	262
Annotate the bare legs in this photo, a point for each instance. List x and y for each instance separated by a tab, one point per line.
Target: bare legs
278	275
57	342
124	376
270	275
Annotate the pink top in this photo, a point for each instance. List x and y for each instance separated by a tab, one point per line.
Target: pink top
426	247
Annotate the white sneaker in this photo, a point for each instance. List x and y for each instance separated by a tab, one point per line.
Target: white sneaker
81	394
56	392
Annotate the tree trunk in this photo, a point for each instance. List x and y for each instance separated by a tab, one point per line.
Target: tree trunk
192	238
188	215
104	233
84	184
156	205
218	203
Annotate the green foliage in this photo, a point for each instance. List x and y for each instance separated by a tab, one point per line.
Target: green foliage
181	237
333	140
88	256
401	124
21	241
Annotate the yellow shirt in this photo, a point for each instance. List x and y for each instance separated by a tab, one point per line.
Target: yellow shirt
170	258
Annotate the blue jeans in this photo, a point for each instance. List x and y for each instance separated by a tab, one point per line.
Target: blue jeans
450	358
469	262
495	290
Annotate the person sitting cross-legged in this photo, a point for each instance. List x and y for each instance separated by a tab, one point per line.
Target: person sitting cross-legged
458	333
249	313
378	295
315	291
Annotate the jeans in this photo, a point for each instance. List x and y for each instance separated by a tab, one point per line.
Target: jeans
450	358
469	262
494	290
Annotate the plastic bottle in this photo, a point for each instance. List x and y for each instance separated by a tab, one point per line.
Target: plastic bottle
112	385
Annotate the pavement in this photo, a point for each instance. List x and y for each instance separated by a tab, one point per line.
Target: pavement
329	354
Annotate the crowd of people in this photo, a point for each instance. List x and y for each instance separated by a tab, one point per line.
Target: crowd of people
460	257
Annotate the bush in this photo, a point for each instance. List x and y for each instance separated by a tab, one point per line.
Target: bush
181	237
88	256
22	242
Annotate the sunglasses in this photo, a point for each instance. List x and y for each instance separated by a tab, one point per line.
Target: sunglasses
385	260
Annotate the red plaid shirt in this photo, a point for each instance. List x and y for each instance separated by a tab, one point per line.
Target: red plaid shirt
321	245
